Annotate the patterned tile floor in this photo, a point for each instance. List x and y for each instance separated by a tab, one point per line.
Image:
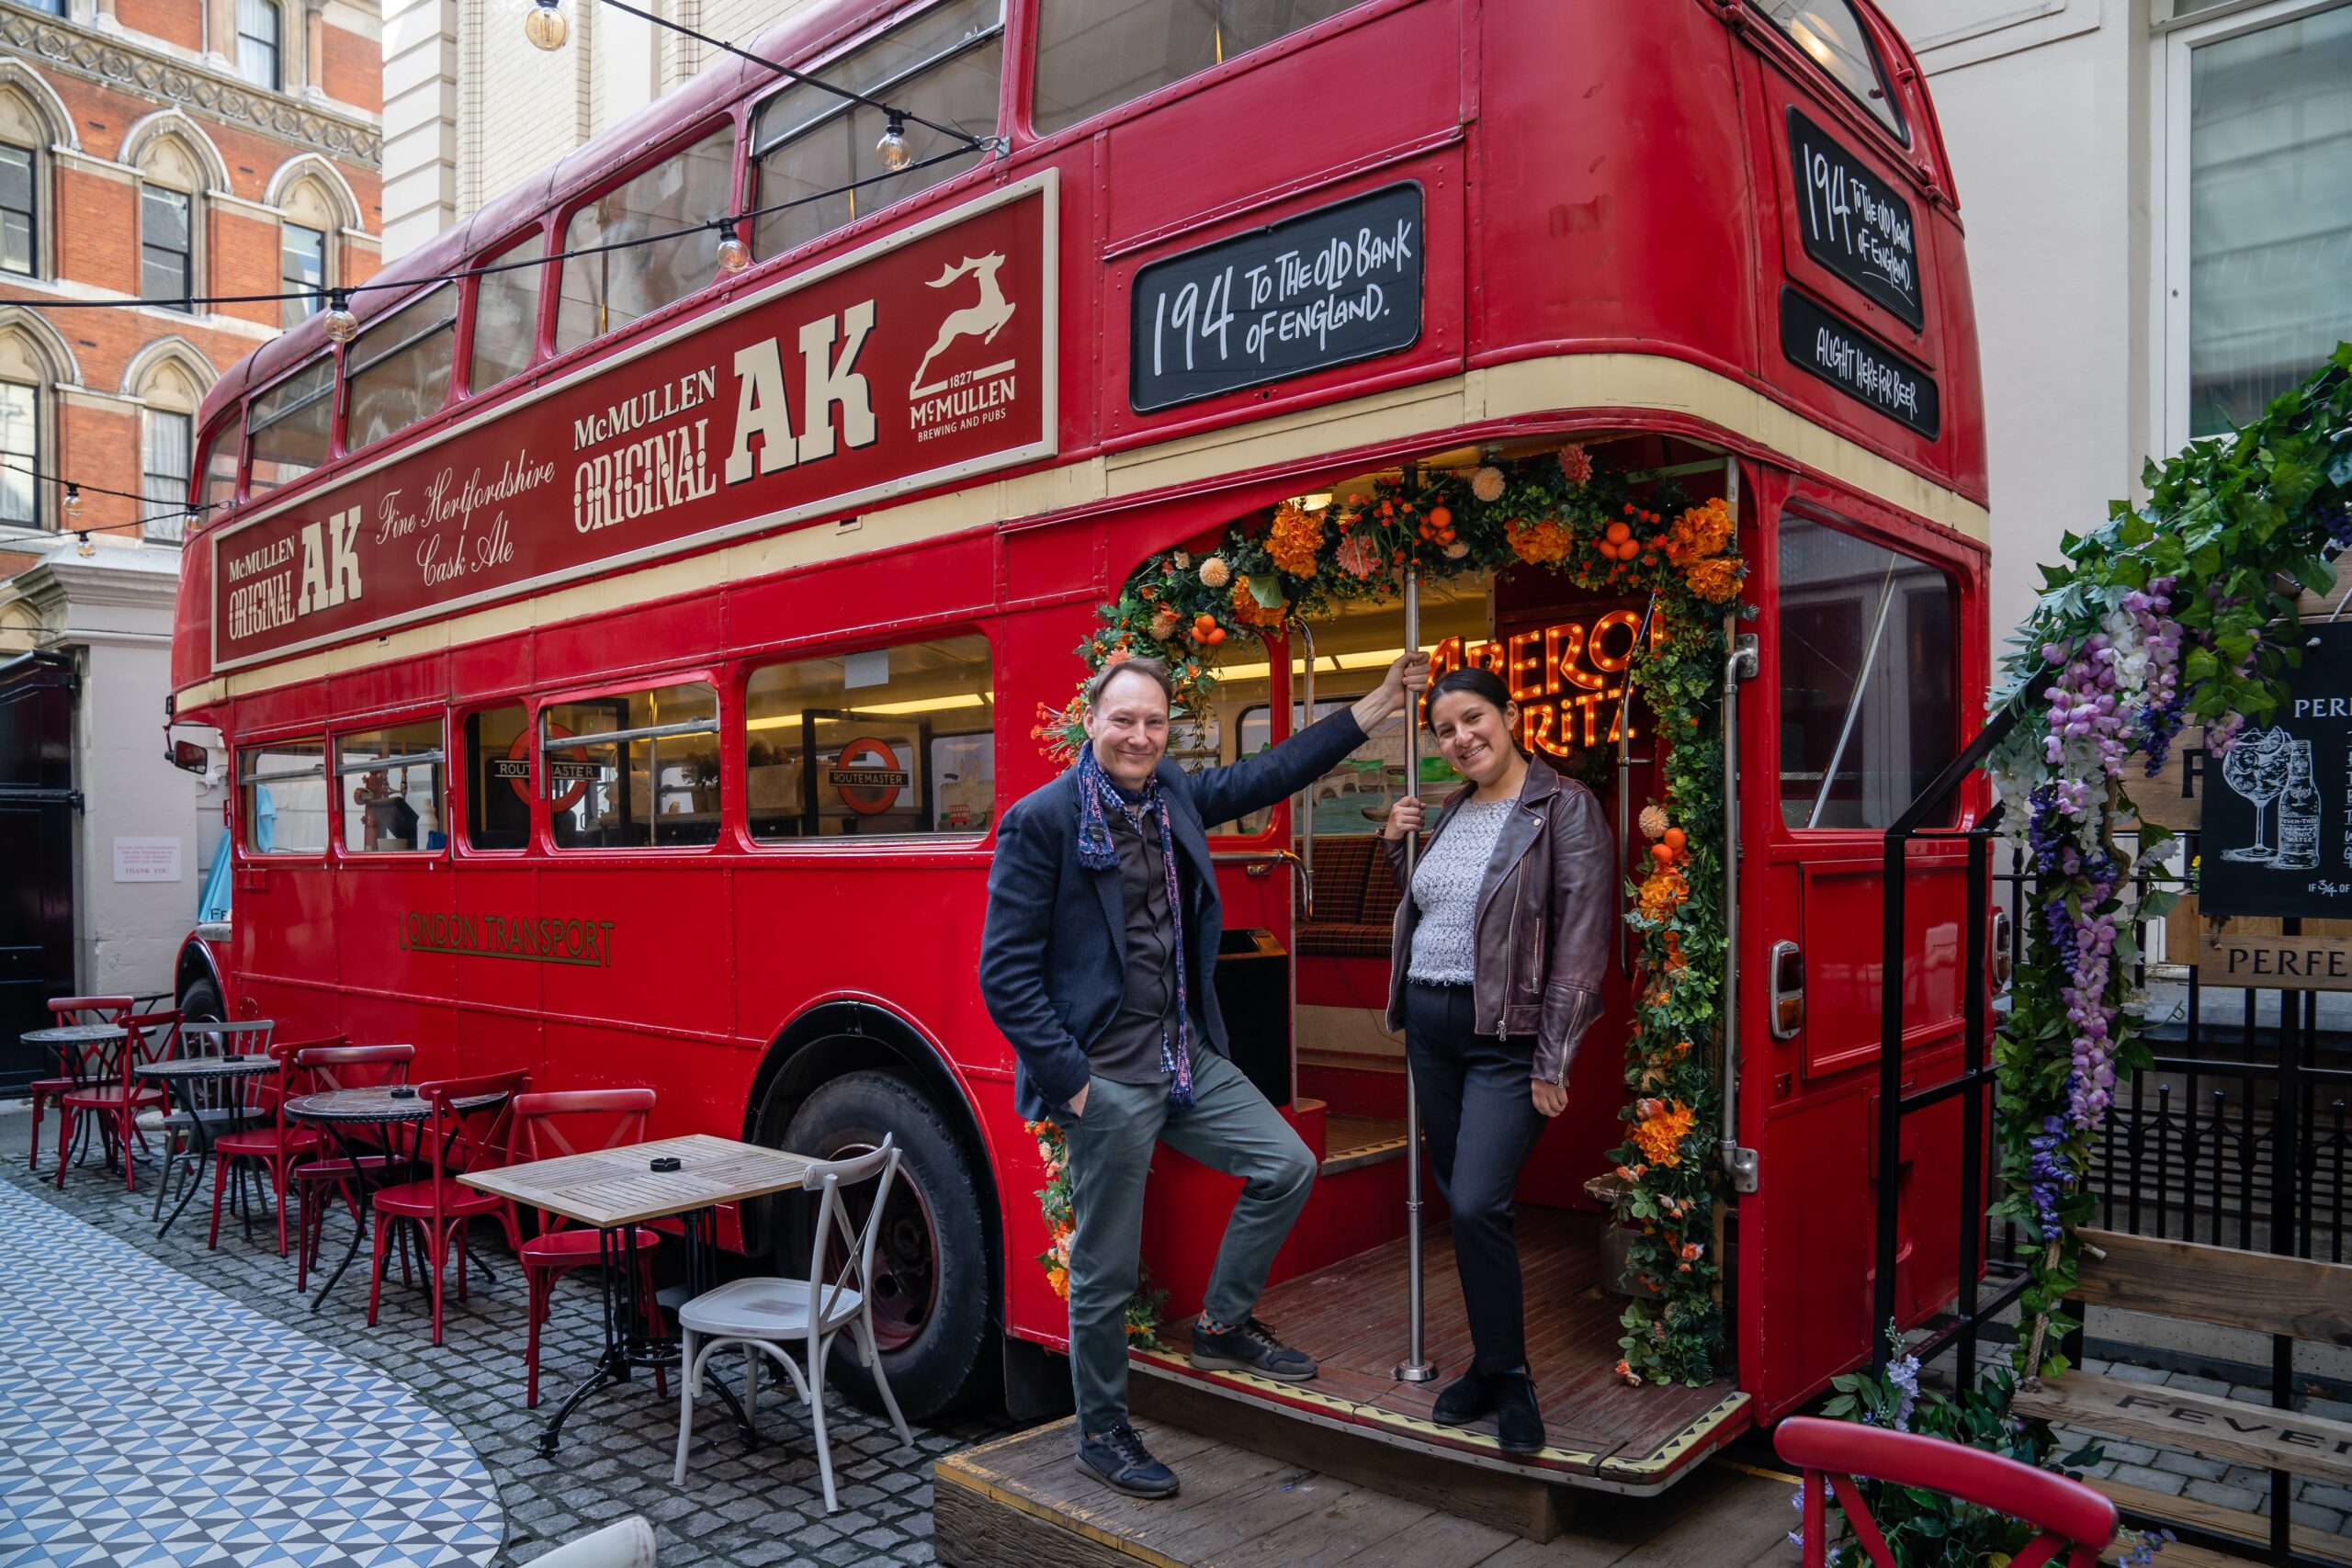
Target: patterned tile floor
145	1418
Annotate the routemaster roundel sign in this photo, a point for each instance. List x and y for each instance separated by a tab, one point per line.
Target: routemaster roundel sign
916	360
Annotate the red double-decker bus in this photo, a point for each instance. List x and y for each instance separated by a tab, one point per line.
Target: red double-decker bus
625	662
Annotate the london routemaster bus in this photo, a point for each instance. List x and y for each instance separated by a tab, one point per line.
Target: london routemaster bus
624	661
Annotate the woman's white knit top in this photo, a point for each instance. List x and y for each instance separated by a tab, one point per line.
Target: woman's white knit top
1445	890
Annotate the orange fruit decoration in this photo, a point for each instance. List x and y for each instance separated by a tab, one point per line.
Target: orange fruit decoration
1617	533
1675	837
1662	854
1440	517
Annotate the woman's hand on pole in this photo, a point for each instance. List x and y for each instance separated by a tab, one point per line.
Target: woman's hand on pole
1551	1099
1404	817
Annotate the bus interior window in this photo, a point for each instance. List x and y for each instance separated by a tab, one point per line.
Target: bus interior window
887	741
944	65
635	769
612	288
220	471
1093	55
389	781
498	779
283	786
506	314
399	369
290	426
1869	689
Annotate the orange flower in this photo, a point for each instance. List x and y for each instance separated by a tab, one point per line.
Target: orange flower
1295	538
1660	1132
1059	1280
1701	531
1715	580
1539	543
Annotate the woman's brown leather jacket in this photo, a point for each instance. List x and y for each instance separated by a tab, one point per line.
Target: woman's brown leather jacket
1545	910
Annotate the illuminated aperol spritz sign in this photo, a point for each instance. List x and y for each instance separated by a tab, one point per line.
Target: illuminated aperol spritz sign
1568	677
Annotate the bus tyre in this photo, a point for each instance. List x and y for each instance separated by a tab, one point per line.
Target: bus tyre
201	1003
931	1291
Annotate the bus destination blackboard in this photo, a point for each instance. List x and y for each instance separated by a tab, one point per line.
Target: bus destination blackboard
1853	223
1858	364
1338	284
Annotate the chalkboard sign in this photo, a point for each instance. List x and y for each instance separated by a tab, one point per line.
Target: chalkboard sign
1338	284
2278	836
1858	364
1853	223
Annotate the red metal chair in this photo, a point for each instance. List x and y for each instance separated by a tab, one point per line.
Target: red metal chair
275	1143
316	1066
2070	1518
109	1093
458	1139
66	1012
548	1126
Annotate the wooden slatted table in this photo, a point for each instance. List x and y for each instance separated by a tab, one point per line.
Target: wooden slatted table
615	1191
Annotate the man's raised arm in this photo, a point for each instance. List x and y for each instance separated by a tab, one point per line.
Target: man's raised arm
1255	783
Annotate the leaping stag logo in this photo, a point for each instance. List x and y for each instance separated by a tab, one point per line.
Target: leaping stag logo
982	320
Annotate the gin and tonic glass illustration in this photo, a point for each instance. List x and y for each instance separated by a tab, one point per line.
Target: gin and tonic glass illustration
2256	768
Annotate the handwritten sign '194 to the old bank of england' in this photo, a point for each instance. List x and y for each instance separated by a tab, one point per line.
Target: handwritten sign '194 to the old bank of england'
1338	284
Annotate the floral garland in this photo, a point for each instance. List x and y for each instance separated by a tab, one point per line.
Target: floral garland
1557	512
1054	1199
2181	609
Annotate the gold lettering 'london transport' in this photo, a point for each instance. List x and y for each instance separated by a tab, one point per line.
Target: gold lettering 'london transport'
543	938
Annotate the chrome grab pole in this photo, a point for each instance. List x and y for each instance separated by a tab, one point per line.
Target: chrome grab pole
1740	663
1415	1368
1305	870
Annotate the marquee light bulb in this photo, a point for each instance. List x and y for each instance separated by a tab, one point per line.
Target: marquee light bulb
341	326
734	255
72	503
896	153
545	26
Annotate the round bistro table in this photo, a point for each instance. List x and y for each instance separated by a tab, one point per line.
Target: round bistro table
340	1112
184	1076
70	1041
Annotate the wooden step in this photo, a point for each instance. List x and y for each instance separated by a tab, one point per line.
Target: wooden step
2252	1529
1351	1143
1020	1502
2196	1422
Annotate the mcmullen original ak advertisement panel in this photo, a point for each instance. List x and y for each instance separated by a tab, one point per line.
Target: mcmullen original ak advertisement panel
923	358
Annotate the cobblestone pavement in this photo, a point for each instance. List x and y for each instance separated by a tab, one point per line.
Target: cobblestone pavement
736	1508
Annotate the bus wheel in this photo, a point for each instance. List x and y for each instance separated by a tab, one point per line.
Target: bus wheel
930	1270
201	1003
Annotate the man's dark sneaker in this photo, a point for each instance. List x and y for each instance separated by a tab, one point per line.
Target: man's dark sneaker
1465	1399
1251	1347
1118	1460
1517	1422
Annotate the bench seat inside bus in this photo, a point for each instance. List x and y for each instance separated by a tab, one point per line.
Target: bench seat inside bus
1342	950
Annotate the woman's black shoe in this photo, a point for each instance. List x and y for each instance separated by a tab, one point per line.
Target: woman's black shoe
1517	1422
1465	1399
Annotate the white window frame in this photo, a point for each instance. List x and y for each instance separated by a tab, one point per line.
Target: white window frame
2175	41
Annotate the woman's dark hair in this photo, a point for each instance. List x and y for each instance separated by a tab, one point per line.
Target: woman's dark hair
1482	684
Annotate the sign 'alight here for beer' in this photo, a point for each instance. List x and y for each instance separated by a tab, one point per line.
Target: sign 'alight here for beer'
918	360
1567	678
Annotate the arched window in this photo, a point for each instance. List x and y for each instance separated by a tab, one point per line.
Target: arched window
33	121
33	361
306	247
170	378
172	179
259	32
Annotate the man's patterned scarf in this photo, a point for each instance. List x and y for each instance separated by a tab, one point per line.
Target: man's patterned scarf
1097	795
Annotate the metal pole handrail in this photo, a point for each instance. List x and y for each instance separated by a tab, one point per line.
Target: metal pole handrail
1415	1368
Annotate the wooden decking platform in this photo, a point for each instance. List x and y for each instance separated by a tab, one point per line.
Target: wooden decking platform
1351	1316
1022	1503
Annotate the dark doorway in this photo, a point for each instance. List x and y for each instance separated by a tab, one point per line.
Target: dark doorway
37	804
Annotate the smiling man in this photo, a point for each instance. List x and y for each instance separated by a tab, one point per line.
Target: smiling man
1100	965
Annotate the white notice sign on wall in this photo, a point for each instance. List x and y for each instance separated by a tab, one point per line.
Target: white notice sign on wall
146	859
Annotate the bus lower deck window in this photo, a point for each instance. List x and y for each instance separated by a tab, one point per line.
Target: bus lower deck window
887	741
634	769
498	779
282	789
389	785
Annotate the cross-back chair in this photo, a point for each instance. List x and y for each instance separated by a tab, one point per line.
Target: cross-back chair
316	1068
459	1138
64	1012
109	1093
208	1109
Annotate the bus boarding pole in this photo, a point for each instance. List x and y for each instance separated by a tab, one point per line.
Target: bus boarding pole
1415	1366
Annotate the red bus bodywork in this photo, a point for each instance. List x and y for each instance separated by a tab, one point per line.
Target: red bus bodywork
1611	231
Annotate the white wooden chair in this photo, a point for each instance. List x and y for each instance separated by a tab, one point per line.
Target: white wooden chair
782	1318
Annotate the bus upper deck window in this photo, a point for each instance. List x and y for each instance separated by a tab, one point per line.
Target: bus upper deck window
610	289
1831	32
506	314
389	782
284	789
1094	55
399	368
635	769
943	65
220	471
890	740
1869	695
290	424
498	779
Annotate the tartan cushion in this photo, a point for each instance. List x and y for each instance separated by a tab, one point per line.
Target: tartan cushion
1340	867
1348	940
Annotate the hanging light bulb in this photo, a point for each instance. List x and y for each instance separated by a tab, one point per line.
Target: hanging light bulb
895	154
734	255
341	325
544	25
82	545
72	503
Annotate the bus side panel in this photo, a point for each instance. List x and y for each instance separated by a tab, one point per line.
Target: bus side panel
636	980
397	943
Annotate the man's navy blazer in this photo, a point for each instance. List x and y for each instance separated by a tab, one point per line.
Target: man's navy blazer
1053	959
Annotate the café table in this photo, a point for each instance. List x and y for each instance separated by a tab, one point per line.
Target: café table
66	1044
616	1191
398	1113
187	1077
